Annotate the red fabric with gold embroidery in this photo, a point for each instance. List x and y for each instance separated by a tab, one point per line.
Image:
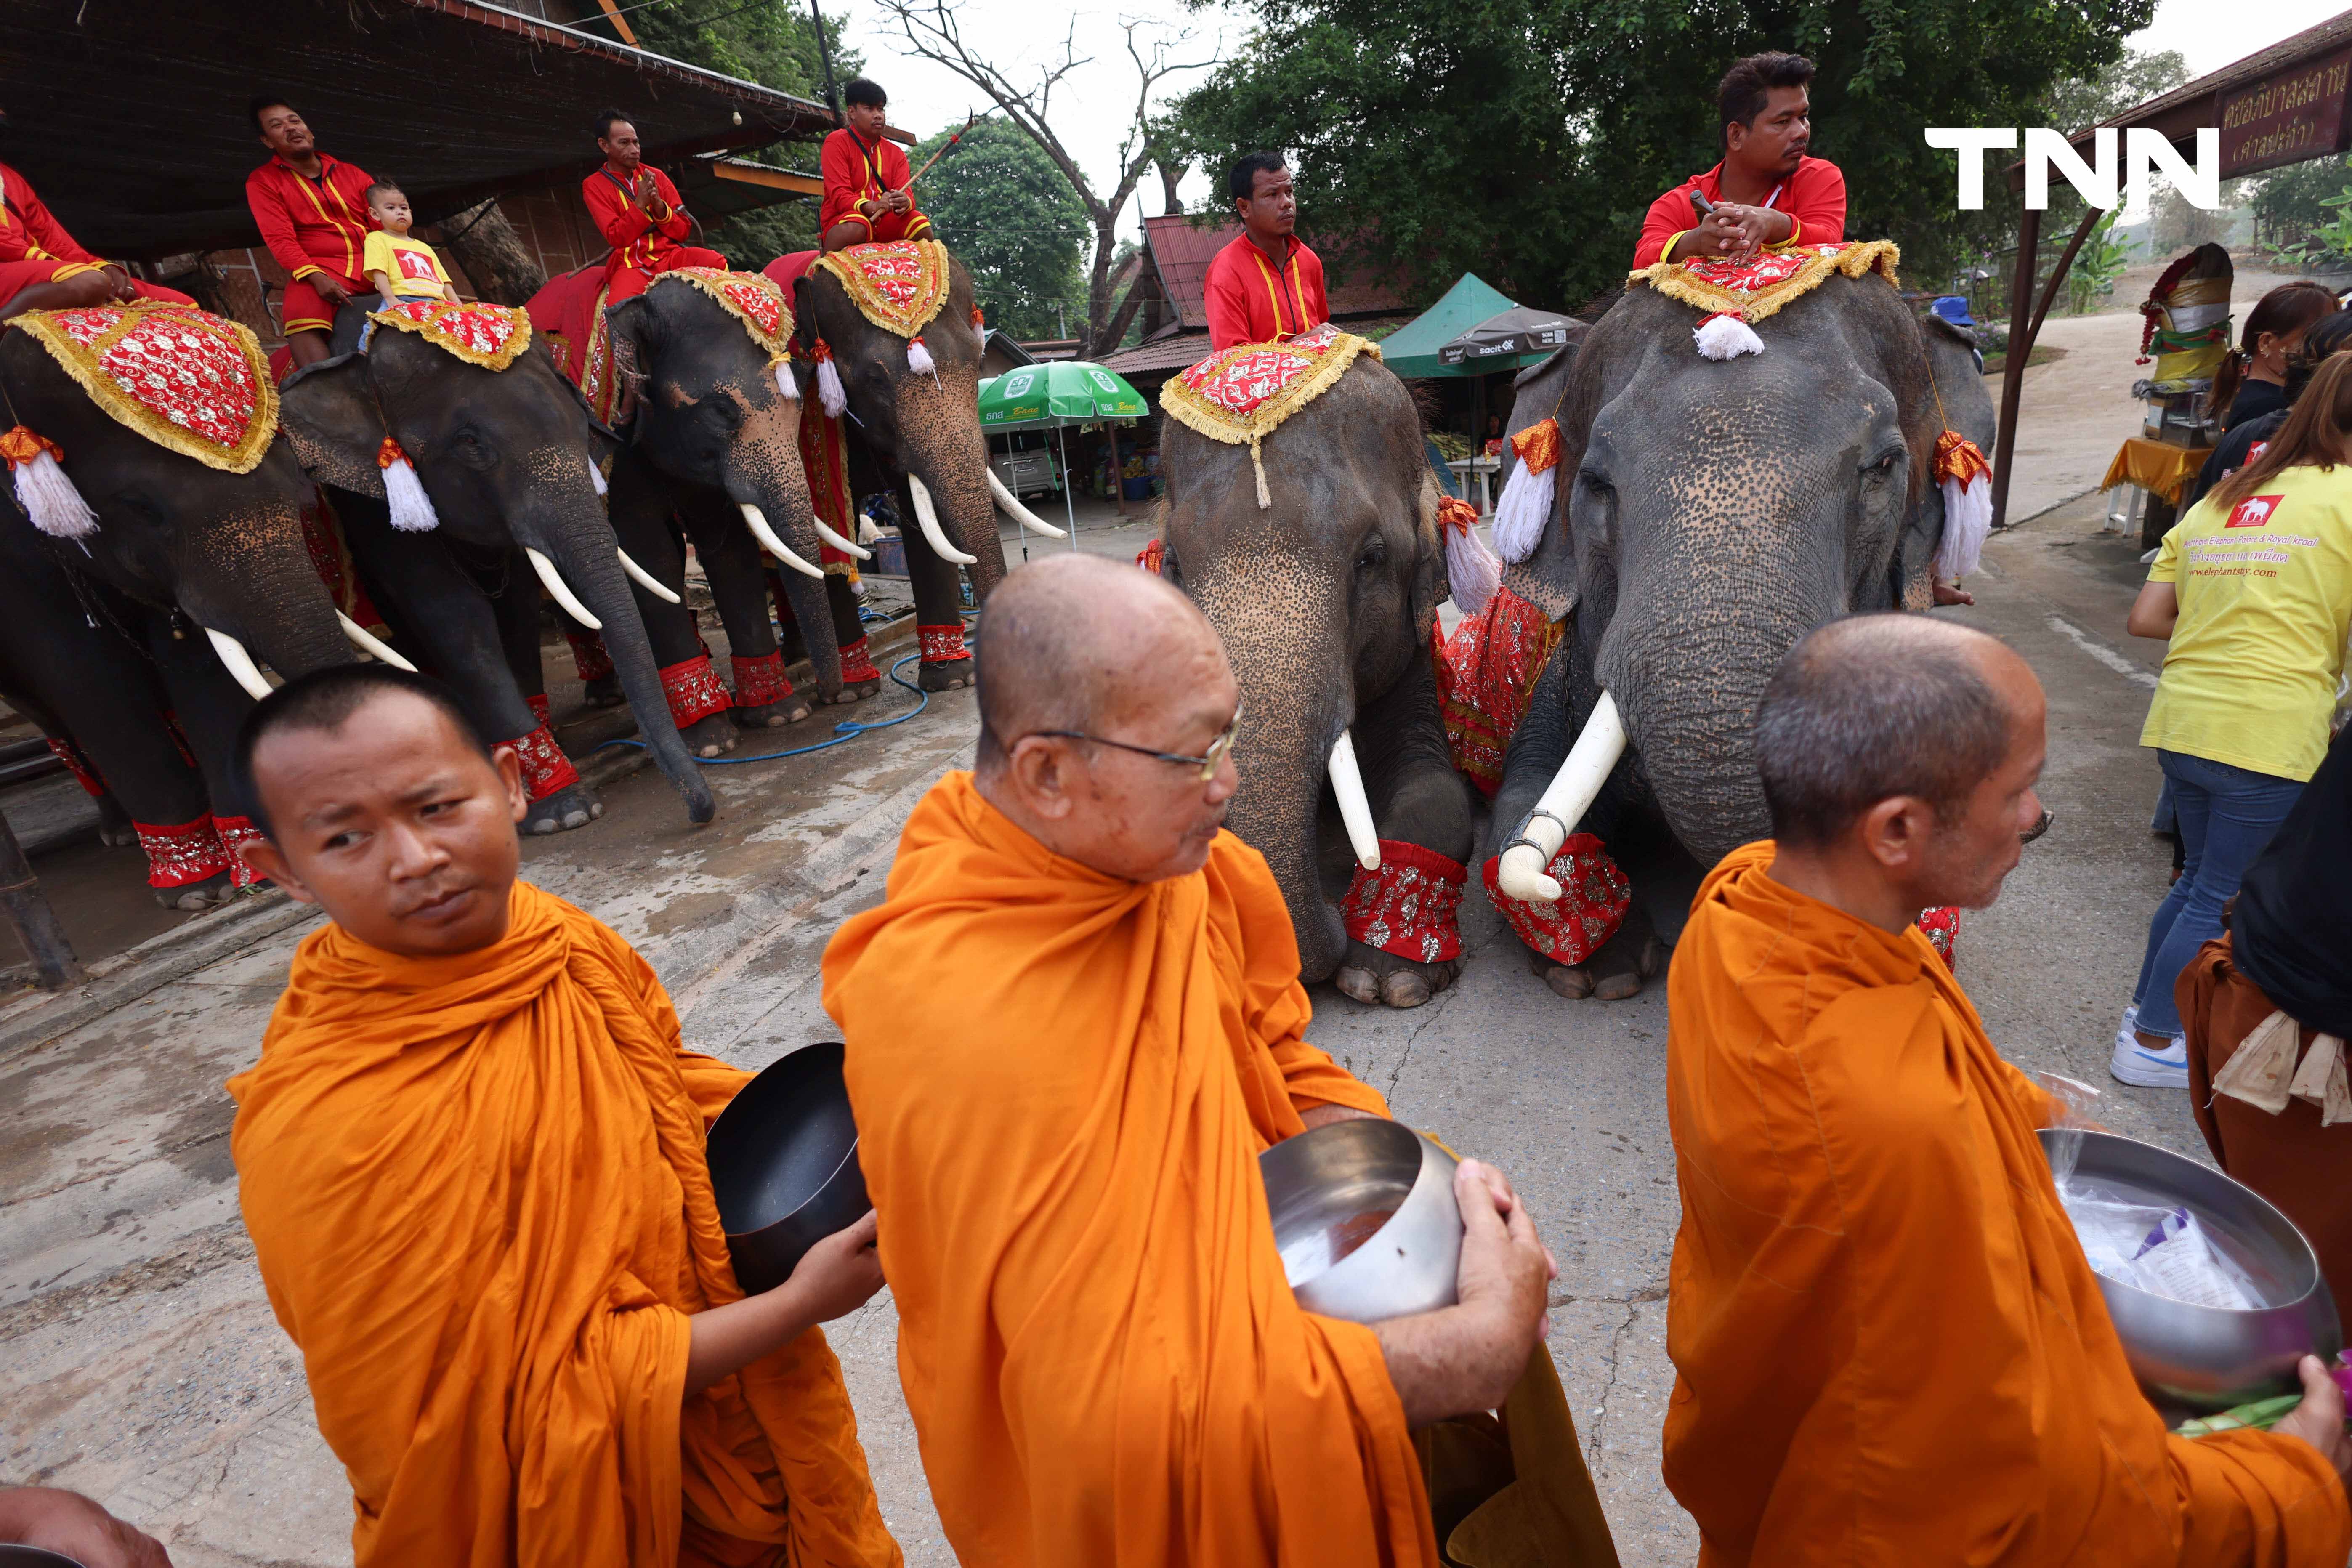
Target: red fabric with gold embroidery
322	532
1486	673
476	332
1411	907
545	768
180	854
1245	379
824	457
941	644
1538	446
858	663
1593	898
189	381
588	655
233	831
1150	556
1957	458
759	681
693	690
77	764
1941	927
540	707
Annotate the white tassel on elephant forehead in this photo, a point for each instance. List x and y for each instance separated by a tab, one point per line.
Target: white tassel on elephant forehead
784	382
412	508
1726	334
42	487
1524	512
831	395
596	477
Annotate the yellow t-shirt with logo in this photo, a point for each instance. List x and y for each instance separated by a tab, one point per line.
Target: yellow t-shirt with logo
2265	590
416	272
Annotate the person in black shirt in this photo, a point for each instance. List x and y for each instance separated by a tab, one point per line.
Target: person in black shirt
2326	336
2252	380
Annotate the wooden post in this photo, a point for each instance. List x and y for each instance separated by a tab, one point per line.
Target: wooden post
37	925
2013	370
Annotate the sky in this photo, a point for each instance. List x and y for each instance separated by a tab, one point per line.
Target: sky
1093	105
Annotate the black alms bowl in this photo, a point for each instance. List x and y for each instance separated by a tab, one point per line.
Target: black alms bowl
784	1165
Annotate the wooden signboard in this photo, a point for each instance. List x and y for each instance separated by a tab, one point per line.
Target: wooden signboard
2286	118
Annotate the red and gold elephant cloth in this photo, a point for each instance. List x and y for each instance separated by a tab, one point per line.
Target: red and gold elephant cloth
1756	288
750	297
189	381
898	285
1240	394
480	333
571	311
1485	672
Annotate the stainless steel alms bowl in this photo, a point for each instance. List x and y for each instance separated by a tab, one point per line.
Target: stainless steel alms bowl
14	1556
1364	1214
784	1165
2211	1358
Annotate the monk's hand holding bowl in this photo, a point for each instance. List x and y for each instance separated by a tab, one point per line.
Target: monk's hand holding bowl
1466	1357
2319	1419
837	1277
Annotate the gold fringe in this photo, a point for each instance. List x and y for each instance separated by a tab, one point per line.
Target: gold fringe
930	285
711	281
431	329
82	363
1671	279
1196	412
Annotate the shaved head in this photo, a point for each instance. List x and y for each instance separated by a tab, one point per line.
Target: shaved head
1872	707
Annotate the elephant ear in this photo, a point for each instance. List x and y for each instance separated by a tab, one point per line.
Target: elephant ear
328	412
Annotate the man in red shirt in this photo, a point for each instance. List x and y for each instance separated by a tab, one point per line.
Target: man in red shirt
1265	285
42	267
865	178
639	212
313	216
1766	191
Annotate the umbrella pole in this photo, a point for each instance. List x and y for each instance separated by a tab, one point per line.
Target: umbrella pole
1069	507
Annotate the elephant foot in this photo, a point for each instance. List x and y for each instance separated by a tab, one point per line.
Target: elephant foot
711	735
193	898
771	715
1378	978
855	691
115	828
574	805
603	691
946	676
1615	970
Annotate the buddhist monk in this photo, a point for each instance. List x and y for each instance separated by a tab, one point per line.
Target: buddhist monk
471	1161
1073	1025
1887	1345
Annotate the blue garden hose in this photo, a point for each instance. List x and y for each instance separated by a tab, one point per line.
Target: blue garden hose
848	730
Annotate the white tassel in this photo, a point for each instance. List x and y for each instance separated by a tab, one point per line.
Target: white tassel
48	495
1967	523
596	477
412	508
1472	570
1524	512
830	393
784	382
919	358
1726	336
866	532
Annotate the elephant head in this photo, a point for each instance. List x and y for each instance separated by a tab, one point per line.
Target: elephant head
925	425
709	412
1708	513
227	550
1325	599
508	458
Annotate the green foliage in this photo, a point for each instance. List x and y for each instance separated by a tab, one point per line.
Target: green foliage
1011	218
2328	243
1525	143
774	44
2292	203
2132	81
2097	266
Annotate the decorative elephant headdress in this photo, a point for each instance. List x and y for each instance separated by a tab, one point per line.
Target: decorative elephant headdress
480	333
898	285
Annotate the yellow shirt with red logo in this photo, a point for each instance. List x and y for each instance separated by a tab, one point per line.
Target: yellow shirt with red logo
416	272
2265	591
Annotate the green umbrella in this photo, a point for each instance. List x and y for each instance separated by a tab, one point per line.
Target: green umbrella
1055	395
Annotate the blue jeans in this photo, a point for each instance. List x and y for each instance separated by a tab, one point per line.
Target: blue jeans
2225	815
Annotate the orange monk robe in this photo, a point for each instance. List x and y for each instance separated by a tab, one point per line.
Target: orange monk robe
1063	1082
477	1189
1887	1345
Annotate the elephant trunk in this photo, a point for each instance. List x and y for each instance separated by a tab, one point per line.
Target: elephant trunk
250	580
779	513
949	457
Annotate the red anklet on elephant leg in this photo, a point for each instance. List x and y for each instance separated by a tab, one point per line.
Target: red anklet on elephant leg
233	831
76	765
1411	907
693	690
759	681
941	644
858	663
181	853
589	656
545	768
1941	927
1593	898
540	709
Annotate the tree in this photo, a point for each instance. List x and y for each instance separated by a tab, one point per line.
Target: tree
1525	143
2131	80
934	31
1012	220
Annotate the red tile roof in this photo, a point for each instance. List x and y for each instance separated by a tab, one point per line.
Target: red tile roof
1182	249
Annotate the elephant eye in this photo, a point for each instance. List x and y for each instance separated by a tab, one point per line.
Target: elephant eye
1375	552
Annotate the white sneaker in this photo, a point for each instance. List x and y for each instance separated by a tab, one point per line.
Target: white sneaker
2135	1064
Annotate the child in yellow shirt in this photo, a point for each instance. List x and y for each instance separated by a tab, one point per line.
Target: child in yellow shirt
399	267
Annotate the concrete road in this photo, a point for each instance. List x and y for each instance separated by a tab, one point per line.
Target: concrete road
139	1361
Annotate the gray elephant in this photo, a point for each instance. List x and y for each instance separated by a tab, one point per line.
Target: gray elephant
1326	594
1706	514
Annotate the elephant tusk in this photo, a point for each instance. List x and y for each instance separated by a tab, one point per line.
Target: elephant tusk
559	593
240	664
929	520
367	643
1347	783
848	547
646	579
757	521
1566	799
1014	508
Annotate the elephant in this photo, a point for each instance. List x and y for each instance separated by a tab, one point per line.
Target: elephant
1325	600
1705	515
509	460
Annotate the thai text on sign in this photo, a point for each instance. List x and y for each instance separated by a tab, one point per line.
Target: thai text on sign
2286	118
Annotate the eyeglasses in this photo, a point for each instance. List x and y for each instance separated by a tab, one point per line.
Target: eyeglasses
1218	749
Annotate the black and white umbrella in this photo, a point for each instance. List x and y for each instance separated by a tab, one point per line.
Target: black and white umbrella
1516	332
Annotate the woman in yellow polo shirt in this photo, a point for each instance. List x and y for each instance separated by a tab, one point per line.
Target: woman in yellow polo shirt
2253	590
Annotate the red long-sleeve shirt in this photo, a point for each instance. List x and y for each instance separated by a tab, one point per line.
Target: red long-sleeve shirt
1251	300
641	237
313	225
29	232
1814	196
855	172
